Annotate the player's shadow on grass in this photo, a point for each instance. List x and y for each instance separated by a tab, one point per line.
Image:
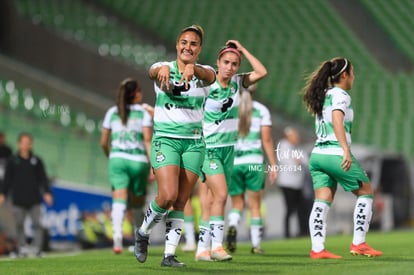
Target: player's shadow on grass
383	259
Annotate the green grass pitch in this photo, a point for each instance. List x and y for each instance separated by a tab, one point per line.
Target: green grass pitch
282	257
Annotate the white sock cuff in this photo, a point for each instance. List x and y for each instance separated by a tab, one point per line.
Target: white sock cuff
118	206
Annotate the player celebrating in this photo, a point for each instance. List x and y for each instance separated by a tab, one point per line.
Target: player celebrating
220	130
331	161
249	152
128	127
177	150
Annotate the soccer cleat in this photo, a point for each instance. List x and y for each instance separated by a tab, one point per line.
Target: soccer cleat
324	254
257	251
23	252
364	249
189	247
232	239
171	261
219	254
141	247
204	256
117	248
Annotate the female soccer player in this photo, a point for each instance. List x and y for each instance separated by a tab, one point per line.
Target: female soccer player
220	131
128	128
177	150
249	152
331	161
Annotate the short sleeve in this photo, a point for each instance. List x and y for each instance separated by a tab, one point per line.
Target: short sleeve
147	120
265	117
106	124
340	101
208	68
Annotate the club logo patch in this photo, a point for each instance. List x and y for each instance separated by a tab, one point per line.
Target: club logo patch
213	165
159	157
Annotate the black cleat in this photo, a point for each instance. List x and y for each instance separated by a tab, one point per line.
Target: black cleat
232	239
141	247
171	261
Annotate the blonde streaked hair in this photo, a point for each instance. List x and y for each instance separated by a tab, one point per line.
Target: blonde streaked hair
245	110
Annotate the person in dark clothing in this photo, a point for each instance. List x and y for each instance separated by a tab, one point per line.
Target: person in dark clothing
27	184
5	153
5	150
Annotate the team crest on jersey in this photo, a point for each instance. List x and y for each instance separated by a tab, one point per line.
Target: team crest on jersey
159	157
213	165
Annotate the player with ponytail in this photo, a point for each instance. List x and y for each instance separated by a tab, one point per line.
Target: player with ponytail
331	161
254	141
126	140
220	129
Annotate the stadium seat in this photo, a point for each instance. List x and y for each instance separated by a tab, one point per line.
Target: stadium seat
70	152
82	22
396	19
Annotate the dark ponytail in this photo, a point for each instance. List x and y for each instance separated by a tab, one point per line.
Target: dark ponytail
125	96
320	80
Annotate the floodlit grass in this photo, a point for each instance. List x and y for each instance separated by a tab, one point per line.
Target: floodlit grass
282	257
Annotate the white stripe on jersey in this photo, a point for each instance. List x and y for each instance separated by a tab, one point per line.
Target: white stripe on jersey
122	155
246	144
249	159
176	115
335	99
134	126
170	111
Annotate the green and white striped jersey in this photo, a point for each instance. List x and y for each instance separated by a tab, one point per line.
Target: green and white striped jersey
178	112
127	141
221	113
249	149
326	142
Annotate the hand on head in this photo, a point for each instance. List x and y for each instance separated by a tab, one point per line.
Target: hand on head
236	43
148	108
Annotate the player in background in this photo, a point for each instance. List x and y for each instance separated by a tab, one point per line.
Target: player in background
177	150
331	161
220	131
126	140
255	136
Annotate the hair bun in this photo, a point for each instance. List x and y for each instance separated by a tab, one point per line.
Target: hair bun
231	45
